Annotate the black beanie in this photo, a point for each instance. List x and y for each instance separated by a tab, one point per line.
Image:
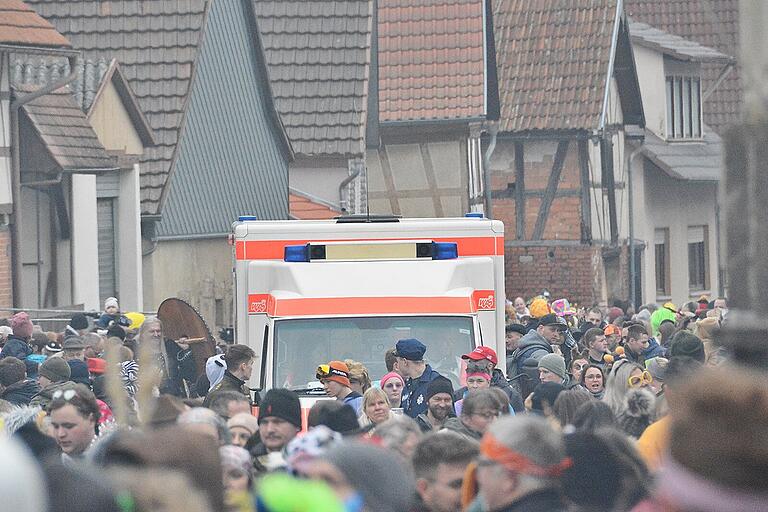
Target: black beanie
281	403
116	331
439	385
687	344
79	322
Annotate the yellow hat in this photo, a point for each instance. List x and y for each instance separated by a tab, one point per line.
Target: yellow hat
136	320
670	306
539	308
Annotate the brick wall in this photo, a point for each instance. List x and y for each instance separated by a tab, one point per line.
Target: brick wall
574	272
6	289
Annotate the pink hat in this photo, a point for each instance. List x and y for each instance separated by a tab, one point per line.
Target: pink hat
21	325
389	376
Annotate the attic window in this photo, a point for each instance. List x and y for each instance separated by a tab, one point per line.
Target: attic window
683	107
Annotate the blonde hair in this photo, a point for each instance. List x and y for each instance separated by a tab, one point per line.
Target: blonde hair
368	397
359	372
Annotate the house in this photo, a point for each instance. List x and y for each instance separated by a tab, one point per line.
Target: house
676	170
320	70
570	99
200	77
437	93
67	168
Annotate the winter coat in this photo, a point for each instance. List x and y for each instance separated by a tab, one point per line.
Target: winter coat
498	381
653	350
20	393
228	383
45	395
456	425
546	500
413	399
638	413
532	347
20	349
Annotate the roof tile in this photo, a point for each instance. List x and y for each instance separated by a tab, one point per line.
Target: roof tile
20	25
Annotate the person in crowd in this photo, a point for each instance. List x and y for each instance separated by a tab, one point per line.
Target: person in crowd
5	331
365	477
15	387
229	403
173	360
480	409
595	318
606	472
657	367
94	345
512	334
521	463
533	346
17	343
215	366
242	427
596	344
552	369
205	421
477	378
593	415
593	380
567	403
52	375
667	330
439	464
439	405
279	422
239	360
487	356
52	349
685	343
653	443
543	398
335	379
401	434
237	474
392	383
335	415
74	417
359	379
627	394
577	367
111	315
612	336
636	343
376	409
38	341
410	362
521	310
390	361
73	348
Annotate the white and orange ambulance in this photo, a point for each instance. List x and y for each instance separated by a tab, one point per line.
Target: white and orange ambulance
307	292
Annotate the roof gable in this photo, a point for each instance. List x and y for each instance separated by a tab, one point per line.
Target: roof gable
432	60
318	54
552	62
22	26
673	45
156	43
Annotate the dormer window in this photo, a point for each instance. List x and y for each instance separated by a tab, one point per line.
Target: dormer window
683	107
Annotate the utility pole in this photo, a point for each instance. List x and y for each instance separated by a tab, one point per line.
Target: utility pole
746	196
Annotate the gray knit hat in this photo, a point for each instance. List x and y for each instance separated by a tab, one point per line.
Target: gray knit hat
55	369
554	363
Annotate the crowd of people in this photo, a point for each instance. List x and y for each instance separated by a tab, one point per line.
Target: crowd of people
614	409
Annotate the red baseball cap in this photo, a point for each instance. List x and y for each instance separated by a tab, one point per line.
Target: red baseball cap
96	365
481	353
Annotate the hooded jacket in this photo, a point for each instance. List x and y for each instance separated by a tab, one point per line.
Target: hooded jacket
459	427
20	393
45	395
531	347
20	349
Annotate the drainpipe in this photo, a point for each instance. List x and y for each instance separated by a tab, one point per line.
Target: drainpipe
630	205
16	170
494	131
343	203
611	60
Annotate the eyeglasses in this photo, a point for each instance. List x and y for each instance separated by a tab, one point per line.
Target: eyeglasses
579	366
639	380
66	394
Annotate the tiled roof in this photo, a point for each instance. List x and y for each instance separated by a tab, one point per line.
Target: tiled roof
673	45
304	207
699	161
156	43
714	23
431	59
20	25
319	55
552	59
66	133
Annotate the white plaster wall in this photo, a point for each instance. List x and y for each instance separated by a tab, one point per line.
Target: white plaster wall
650	74
85	254
129	272
321	182
6	199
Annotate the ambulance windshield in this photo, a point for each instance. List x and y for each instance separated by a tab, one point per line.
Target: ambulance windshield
302	345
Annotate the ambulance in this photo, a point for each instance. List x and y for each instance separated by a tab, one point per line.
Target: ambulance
308	292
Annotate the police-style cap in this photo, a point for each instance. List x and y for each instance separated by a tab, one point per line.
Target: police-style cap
411	349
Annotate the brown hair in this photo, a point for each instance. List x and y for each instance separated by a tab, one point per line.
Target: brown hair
83	400
237	355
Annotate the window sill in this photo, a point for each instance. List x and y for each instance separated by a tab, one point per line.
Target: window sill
663	298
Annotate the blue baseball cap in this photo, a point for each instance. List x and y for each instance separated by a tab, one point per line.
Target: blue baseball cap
411	349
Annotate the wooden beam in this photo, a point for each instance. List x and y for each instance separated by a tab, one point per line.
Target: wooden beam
519	191
609	183
586	193
549	194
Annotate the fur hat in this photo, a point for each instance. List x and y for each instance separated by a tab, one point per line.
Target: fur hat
539	308
55	369
283	404
21	325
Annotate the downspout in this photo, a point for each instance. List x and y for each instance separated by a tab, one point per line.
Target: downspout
16	171
631	206
494	131
343	203
611	60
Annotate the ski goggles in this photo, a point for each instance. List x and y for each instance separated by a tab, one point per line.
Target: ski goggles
325	371
638	380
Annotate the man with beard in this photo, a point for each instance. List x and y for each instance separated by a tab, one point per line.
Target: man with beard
439	464
439	405
279	422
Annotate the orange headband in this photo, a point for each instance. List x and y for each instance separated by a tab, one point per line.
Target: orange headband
517	462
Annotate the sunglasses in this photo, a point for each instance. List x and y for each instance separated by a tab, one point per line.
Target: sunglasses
66	394
638	380
580	366
324	371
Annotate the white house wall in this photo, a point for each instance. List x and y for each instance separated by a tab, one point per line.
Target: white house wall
129	271
320	182
650	69
85	256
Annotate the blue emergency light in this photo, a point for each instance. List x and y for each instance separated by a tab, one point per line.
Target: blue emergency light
244	218
445	250
296	253
474	215
421	250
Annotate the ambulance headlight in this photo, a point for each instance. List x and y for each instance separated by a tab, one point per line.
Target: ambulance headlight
444	250
296	253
